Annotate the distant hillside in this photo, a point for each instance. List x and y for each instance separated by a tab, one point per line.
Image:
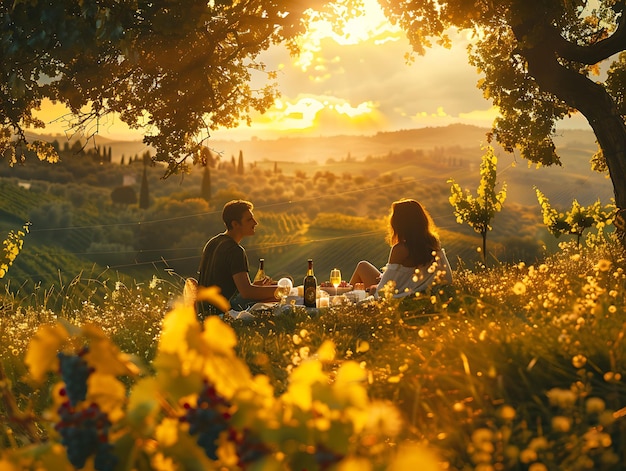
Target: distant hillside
458	142
305	149
320	149
359	147
119	148
292	181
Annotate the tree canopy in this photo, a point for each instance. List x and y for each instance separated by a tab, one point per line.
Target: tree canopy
177	69
541	61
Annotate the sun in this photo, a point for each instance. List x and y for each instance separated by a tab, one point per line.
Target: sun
304	111
372	25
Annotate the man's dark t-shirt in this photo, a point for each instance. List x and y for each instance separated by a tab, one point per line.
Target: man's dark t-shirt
222	258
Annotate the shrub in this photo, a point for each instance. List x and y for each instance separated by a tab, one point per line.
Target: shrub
124	195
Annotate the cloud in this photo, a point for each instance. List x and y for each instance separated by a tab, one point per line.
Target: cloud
361	83
373	75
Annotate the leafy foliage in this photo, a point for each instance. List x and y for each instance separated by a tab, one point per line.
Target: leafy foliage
177	69
12	246
576	220
214	397
519	368
538	58
616	77
124	195
480	210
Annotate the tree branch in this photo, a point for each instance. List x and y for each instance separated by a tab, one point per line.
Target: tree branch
593	53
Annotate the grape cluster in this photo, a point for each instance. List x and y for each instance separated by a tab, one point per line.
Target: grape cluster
75	371
326	458
248	446
85	433
208	419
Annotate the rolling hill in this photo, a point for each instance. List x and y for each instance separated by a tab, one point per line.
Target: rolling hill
457	141
412	163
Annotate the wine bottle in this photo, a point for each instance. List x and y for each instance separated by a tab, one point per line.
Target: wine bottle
260	274
310	286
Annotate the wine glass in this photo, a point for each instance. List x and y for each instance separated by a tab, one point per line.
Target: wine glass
283	289
335	278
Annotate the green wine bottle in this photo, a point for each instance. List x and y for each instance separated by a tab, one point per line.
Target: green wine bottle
310	286
260	274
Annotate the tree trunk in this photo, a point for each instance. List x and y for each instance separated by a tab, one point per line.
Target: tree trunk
484	234
594	102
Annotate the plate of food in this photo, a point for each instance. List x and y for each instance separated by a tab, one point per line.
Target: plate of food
343	287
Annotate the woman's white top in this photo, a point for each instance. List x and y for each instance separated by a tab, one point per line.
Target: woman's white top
404	281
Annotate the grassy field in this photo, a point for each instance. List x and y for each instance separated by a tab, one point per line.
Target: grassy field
517	367
76	228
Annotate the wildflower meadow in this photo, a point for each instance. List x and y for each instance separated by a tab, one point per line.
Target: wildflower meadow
514	367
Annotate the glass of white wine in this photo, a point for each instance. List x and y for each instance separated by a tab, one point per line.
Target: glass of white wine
283	289
335	278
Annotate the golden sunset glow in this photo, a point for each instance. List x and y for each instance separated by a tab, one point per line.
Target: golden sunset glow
57	118
356	82
372	26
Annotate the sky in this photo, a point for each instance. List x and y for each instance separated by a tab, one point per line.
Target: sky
359	83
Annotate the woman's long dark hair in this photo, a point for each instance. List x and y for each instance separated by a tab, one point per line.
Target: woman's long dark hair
410	224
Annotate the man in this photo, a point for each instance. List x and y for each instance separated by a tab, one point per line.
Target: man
224	262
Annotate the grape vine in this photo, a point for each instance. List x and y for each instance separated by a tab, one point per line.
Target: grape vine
478	211
577	219
84	431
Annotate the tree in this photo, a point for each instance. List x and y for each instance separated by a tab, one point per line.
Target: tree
125	195
178	69
205	190
240	164
577	219
53	215
208	157
538	58
144	192
478	212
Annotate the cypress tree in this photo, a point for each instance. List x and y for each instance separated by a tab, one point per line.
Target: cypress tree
240	164
144	194
205	191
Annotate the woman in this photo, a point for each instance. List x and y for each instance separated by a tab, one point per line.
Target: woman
416	260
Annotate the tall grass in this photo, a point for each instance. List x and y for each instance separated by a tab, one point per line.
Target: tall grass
516	367
129	312
520	366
